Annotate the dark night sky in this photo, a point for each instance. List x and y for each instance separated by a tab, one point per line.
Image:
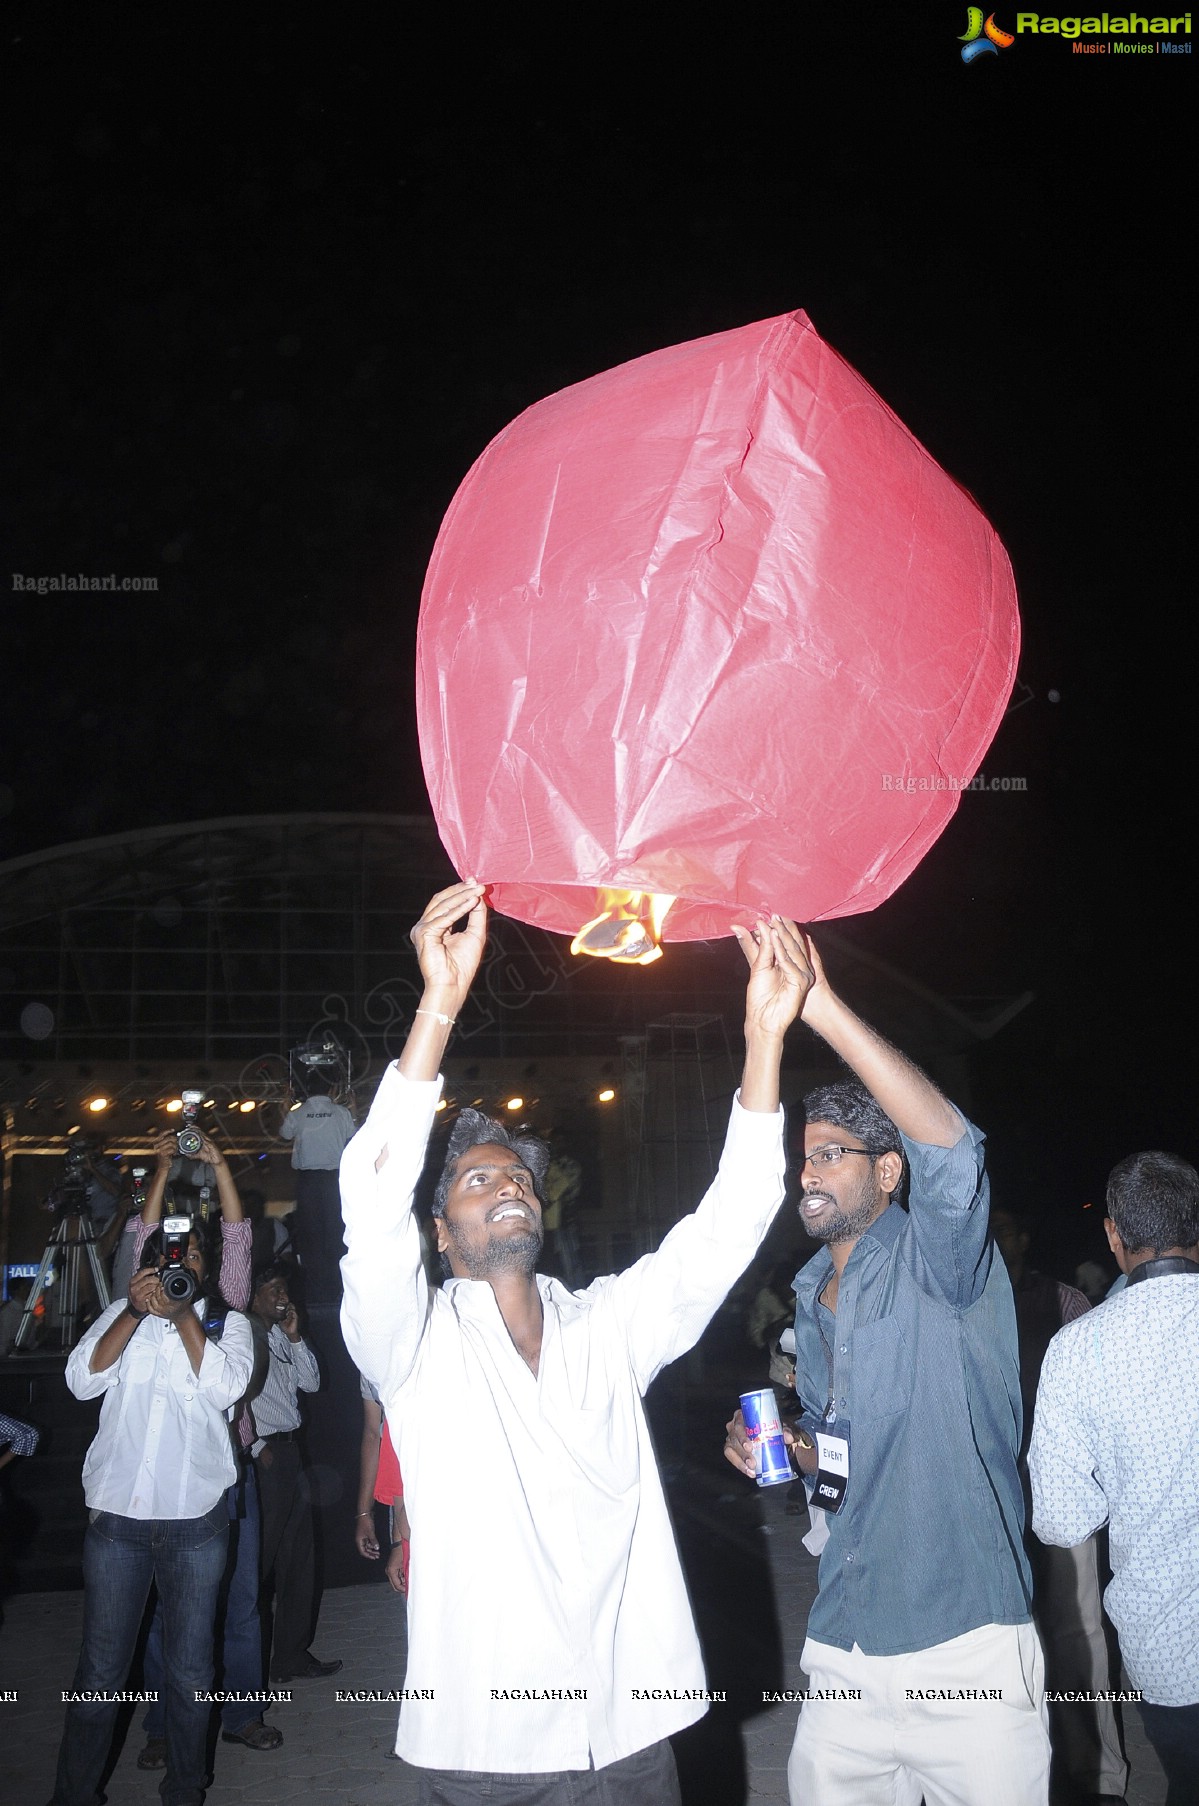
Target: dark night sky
274	279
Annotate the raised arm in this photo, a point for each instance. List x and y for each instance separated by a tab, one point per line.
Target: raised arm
781	974
666	1300
948	1196
232	1210
911	1100
237	1231
386	1300
448	963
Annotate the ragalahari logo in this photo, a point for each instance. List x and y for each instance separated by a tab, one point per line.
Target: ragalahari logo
982	37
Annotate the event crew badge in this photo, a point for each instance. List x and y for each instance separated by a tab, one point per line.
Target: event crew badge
832	1473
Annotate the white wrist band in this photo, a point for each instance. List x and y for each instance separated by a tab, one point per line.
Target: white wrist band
445	1021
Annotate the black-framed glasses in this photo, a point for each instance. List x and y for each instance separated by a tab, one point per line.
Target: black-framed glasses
831	1153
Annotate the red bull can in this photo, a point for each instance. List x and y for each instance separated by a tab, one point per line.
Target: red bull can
765	1431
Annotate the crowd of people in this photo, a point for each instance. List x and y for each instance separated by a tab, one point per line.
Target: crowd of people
963	1428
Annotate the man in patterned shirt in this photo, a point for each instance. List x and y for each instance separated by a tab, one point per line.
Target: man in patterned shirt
1116	1440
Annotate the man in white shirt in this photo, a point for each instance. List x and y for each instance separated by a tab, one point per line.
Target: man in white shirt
154	1480
318	1130
549	1626
1116	1439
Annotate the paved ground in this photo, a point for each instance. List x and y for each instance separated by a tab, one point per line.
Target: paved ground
753	1584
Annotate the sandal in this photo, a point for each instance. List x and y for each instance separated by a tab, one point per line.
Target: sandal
255	1736
155	1753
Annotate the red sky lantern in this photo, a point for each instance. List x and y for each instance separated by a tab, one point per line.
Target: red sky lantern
710	628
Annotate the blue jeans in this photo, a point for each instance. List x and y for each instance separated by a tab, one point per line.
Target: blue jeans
185	1557
239	1626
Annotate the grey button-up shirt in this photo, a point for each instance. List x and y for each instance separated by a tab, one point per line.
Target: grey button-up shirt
921	1361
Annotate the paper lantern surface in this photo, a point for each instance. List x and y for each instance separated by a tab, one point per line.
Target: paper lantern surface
711	624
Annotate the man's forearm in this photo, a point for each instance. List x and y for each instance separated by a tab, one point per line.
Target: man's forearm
155	1192
910	1099
227	1194
192	1337
113	1342
760	1074
368	1467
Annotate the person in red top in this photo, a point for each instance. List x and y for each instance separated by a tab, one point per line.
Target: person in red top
379	1479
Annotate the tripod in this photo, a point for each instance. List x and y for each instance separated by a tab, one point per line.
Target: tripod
62	1242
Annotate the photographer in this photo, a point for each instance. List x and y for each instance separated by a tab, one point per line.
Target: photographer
240	1627
154	1480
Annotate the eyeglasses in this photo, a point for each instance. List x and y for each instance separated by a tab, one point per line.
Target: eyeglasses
831	1154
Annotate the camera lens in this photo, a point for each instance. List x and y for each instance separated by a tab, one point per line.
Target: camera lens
179	1285
189	1142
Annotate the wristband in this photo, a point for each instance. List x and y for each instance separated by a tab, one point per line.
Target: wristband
445	1021
138	1316
363	1514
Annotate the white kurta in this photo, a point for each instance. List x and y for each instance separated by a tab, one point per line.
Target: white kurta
547	1603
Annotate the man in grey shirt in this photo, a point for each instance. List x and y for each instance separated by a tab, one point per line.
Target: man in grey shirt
318	1130
924	1665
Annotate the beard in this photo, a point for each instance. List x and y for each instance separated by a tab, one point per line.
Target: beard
515	1251
840	1223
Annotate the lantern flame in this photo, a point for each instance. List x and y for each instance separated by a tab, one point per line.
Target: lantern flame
628	928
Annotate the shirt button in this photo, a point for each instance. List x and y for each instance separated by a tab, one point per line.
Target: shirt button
844	1348
849	1557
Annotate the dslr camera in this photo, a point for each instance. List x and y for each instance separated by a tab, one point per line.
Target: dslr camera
188	1138
177	1281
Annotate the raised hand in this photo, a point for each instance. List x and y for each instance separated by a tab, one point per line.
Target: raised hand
449	961
783	970
448	964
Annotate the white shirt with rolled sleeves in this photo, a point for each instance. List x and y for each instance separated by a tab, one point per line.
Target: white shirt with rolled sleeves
543	1559
163	1448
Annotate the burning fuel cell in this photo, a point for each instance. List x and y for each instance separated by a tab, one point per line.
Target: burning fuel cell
680	622
628	928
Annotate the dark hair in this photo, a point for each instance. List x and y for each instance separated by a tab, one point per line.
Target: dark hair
847	1104
1153	1199
205	1238
472	1130
274	1269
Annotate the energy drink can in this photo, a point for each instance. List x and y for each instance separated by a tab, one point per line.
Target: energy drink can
761	1413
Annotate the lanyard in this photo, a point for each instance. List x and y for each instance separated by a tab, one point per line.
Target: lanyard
830	1410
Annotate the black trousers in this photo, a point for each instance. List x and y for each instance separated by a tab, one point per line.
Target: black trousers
319	1233
647	1778
288	1554
1174	1733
